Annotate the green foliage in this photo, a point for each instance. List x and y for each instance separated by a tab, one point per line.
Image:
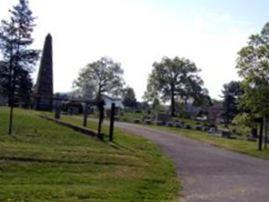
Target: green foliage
98	78
129	99
18	58
253	67
44	161
231	93
175	78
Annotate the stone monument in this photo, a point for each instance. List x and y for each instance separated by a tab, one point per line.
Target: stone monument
43	93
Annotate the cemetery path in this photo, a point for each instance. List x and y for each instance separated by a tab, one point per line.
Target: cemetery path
209	173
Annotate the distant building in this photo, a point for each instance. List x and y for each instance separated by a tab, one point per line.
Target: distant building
109	100
191	110
215	113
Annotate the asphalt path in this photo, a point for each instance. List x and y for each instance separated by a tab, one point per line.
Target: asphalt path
209	173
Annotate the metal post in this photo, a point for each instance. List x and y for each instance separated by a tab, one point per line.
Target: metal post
112	118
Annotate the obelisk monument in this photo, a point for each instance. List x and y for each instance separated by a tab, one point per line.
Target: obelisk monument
43	94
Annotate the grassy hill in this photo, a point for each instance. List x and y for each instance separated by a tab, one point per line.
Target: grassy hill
45	161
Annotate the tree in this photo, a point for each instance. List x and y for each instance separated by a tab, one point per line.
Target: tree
230	106
15	39
175	78
129	99
98	78
4	78
253	67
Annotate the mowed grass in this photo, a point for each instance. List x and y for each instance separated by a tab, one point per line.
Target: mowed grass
43	161
237	145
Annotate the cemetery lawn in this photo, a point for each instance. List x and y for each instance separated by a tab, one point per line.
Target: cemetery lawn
43	161
237	145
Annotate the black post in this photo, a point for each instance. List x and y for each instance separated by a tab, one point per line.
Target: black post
101	117
260	135
85	115
112	118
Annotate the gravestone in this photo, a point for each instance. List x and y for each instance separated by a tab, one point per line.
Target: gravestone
163	118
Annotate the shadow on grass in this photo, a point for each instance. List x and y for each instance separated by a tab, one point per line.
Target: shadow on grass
62	161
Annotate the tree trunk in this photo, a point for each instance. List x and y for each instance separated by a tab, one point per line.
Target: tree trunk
260	135
11	95
172	101
265	133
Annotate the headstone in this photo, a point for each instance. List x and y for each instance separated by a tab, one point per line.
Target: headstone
163	117
57	110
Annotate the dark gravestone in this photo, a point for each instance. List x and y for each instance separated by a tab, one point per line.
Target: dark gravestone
163	118
43	94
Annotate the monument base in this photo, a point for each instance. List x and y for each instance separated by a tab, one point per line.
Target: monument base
43	104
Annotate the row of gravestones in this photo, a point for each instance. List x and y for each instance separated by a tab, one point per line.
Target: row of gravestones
165	120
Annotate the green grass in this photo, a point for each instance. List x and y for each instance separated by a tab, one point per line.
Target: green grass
238	145
131	116
44	161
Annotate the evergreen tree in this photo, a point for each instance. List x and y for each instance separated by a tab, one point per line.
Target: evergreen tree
15	39
230	105
129	99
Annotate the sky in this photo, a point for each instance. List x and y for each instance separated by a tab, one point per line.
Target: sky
137	33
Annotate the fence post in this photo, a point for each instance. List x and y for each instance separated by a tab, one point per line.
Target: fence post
112	119
85	115
101	118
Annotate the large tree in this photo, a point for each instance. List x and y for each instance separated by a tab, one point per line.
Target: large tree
15	39
103	77
128	96
230	106
175	78
253	67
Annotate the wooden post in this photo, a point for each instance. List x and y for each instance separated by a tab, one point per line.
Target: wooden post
260	135
85	115
101	117
112	118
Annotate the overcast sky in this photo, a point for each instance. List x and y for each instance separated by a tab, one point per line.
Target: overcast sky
136	33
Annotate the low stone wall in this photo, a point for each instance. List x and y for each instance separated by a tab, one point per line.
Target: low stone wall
80	129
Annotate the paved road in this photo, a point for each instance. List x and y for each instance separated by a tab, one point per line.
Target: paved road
210	173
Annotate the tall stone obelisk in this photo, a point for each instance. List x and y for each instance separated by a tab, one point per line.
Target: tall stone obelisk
44	86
